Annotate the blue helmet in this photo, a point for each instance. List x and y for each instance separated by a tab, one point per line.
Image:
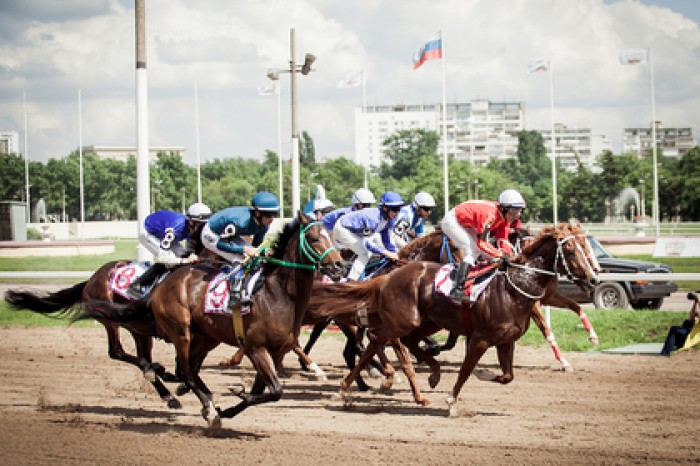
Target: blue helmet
265	202
391	199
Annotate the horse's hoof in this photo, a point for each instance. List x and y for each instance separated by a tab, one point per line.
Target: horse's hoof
451	406
424	402
226	362
182	389
434	380
174	403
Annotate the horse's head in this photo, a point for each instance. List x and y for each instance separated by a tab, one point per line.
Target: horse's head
316	247
575	257
433	247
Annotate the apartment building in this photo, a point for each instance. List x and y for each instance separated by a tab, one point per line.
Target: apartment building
673	142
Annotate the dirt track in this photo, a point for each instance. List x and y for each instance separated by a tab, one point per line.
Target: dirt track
64	401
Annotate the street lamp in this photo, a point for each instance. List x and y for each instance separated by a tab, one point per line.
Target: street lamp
293	69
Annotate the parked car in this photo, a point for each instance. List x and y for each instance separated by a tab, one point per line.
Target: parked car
639	294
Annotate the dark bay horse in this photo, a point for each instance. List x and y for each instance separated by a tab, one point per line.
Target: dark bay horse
97	287
267	333
404	303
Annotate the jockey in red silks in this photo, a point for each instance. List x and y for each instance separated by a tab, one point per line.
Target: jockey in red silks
471	224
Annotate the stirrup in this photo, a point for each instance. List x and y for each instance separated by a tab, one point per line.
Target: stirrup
458	294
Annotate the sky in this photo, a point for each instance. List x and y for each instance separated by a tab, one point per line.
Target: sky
51	50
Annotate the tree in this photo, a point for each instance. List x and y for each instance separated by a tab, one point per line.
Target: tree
307	151
404	150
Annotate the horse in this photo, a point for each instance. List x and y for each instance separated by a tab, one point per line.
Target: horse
404	304
97	287
267	333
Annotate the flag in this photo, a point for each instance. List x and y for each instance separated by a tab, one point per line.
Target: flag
268	89
354	79
536	65
432	50
634	57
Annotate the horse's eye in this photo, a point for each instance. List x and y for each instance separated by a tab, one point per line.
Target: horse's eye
314	240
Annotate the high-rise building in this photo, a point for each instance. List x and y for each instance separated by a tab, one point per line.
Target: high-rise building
9	142
123	152
673	142
574	145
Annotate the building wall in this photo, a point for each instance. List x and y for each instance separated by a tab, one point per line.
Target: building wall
122	153
9	142
673	142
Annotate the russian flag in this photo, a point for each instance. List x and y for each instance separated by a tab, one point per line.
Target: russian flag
432	50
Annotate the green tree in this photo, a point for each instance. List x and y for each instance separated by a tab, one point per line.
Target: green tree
404	150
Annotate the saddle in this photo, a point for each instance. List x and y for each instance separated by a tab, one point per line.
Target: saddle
476	282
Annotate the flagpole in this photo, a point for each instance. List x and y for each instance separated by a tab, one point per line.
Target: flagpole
196	143
444	127
364	109
80	159
280	166
26	157
554	142
656	209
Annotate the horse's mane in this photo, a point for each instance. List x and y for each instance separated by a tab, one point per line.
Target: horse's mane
558	232
418	243
279	244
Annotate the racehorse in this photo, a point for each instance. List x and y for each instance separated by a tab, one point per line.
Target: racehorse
267	333
404	303
97	287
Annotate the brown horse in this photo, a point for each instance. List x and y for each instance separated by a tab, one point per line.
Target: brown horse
97	287
404	303
267	333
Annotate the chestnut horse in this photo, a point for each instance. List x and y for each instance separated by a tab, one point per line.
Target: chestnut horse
404	303
97	287
267	333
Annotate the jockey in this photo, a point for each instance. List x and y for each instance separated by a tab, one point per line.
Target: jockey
224	235
361	199
471	224
411	219
316	209
369	231
162	233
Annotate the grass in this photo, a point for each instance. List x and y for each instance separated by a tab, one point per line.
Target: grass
11	317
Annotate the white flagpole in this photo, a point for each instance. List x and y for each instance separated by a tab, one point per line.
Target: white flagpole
554	143
364	109
196	143
656	209
80	158
26	157
444	127
279	144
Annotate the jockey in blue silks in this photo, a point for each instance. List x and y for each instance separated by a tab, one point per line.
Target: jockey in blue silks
163	232
361	199
410	222
369	231
225	231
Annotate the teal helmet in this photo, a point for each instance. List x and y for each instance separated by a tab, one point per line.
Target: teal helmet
265	202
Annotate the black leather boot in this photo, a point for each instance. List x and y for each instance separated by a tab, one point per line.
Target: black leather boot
457	292
138	287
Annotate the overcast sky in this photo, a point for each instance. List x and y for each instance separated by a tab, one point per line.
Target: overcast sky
51	49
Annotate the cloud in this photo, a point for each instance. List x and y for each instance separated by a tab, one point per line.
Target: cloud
52	50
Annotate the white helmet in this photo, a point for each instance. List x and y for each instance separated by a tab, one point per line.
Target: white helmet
511	198
363	196
198	212
323	204
423	199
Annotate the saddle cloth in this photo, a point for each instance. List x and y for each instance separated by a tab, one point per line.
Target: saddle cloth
472	287
216	299
123	276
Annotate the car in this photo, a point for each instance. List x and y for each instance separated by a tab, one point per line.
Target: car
639	294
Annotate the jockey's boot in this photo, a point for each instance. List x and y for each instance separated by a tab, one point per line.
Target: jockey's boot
236	288
138	287
457	292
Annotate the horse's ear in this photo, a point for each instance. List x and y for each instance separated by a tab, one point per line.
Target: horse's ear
303	219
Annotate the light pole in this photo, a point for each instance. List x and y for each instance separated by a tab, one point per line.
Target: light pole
273	74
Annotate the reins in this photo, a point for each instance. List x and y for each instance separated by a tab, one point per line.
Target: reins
306	251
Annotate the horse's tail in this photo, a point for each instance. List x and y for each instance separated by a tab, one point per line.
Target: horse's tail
59	303
345	298
115	313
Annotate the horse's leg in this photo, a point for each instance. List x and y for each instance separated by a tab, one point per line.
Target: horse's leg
367	355
505	359
450	342
412	343
405	360
233	360
387	369
376	368
350	353
539	319
557	300
266	377
475	350
144	347
313	337
308	363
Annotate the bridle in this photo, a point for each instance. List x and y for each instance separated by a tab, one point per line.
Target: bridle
307	252
559	256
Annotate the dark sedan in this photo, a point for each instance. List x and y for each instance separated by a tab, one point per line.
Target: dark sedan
639	294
